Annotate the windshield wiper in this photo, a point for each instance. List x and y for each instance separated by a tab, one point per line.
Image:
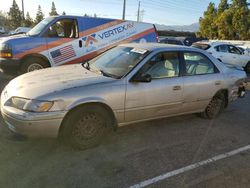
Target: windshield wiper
109	75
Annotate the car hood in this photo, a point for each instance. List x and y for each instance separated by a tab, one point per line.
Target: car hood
10	37
39	83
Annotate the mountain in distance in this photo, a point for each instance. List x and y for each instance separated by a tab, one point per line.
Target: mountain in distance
188	28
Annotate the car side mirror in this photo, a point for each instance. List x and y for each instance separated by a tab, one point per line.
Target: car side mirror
142	78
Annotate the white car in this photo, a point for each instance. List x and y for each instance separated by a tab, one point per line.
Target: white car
2	30
245	49
226	53
20	30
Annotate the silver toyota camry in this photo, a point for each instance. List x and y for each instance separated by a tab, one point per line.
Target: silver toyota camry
127	84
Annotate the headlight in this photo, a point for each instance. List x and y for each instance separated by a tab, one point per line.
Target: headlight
5	50
30	105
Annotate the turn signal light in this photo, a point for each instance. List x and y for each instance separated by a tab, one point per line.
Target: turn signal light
5	55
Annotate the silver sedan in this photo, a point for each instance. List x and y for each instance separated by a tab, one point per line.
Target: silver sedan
127	84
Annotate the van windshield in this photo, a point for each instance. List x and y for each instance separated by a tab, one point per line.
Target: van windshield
40	26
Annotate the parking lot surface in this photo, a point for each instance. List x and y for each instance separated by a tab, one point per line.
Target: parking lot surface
135	153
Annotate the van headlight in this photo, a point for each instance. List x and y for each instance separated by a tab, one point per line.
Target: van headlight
30	104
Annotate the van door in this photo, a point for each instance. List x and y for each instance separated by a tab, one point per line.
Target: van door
63	42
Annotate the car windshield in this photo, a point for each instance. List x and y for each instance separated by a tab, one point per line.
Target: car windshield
118	61
40	26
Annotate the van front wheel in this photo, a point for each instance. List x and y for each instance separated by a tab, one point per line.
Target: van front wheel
33	64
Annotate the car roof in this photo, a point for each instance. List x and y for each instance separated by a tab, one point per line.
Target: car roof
157	46
211	43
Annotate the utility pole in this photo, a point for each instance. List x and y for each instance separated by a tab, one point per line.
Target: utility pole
124	9
23	10
138	13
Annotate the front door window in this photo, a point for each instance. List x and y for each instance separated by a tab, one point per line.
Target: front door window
64	28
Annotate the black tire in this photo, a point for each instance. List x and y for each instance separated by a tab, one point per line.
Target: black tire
32	64
85	127
215	106
247	68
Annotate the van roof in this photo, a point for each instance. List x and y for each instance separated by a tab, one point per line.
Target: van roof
73	16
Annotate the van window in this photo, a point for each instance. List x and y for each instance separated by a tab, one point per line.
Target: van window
64	28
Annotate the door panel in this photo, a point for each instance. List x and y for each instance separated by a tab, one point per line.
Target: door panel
160	97
198	90
201	81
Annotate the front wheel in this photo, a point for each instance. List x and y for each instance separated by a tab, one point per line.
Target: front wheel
33	64
84	127
215	106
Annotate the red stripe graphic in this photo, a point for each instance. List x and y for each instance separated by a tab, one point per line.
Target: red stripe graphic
96	53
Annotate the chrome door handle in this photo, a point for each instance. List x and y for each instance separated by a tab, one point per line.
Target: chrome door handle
175	88
218	83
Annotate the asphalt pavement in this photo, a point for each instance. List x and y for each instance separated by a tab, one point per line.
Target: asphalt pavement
135	153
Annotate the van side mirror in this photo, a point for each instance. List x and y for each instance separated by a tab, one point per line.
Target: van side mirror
142	78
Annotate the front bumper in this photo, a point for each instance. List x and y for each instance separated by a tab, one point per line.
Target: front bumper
46	124
9	64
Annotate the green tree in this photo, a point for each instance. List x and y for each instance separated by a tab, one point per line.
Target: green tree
240	20
28	22
208	27
222	6
39	15
241	23
53	11
4	20
239	3
64	13
225	25
14	16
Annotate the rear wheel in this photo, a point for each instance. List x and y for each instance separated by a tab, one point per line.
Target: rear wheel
85	127
215	106
33	64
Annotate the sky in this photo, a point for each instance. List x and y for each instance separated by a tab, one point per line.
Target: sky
167	12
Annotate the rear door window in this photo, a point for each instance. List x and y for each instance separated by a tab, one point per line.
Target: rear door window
198	64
